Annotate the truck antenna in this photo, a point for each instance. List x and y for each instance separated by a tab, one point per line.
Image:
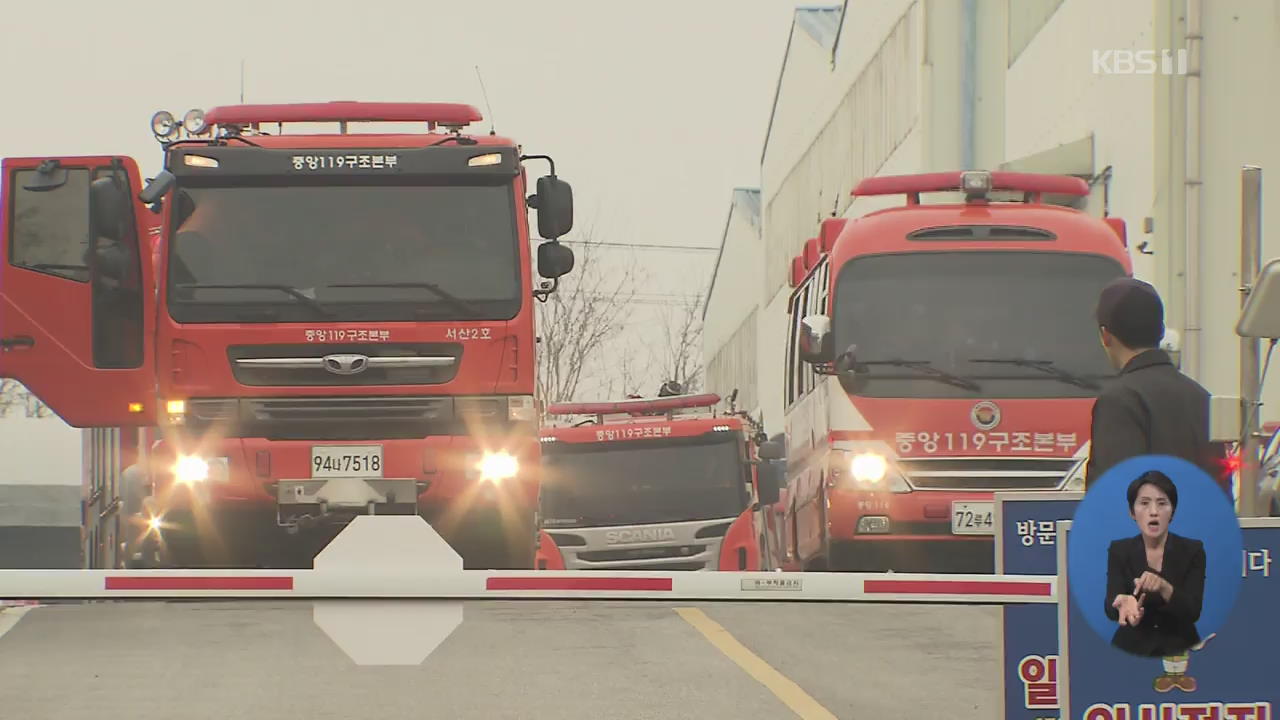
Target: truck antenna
241	81
488	109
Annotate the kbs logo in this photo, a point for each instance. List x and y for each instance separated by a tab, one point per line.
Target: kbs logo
1140	62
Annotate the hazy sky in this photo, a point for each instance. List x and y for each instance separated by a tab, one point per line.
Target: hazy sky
653	110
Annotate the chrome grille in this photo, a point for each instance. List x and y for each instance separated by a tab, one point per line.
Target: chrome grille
692	545
987	473
326	418
364	409
305	365
641	553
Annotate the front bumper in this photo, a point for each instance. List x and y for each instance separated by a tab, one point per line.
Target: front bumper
417	475
703	556
908	517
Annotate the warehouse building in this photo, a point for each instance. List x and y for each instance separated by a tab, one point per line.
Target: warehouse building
1156	105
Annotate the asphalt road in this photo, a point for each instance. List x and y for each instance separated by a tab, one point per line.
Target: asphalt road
515	659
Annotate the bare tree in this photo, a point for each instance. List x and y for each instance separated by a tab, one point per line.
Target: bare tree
679	354
629	376
580	318
13	395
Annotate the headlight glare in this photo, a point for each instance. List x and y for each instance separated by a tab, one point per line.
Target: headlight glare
191	469
499	466
869	467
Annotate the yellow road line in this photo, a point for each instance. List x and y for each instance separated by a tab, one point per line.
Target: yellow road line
780	685
10	615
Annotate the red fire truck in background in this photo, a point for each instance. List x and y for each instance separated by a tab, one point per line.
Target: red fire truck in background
324	323
939	353
647	484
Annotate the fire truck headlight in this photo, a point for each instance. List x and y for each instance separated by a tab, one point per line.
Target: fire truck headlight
190	469
872	470
499	466
869	467
483	160
193	122
164	125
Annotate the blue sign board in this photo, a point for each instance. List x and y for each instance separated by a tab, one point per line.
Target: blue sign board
1231	676
1026	545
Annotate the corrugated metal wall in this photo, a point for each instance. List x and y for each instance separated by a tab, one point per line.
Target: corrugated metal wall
734	366
875	115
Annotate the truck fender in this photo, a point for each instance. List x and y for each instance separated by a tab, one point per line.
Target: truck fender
548	555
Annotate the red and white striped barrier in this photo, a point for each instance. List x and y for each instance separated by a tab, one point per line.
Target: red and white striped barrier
402	557
509	585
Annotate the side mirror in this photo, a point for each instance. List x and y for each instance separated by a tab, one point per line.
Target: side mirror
772	450
768	482
108	208
1172	344
159	186
554	260
815	339
1261	315
554	202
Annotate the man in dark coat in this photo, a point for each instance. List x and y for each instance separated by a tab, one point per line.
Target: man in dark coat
1150	408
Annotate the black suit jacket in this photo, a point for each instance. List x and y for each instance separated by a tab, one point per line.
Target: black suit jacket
1151	409
1166	628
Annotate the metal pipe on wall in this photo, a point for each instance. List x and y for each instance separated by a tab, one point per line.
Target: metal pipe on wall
969	84
1250	349
1192	302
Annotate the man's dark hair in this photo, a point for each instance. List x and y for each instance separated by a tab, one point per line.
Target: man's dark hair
1160	480
1131	310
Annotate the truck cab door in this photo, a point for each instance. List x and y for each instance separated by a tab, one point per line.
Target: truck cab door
77	298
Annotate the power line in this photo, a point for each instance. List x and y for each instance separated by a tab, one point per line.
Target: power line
646	246
669	303
650	293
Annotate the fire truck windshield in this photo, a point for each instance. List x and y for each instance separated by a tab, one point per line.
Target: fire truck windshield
359	252
635	482
1014	324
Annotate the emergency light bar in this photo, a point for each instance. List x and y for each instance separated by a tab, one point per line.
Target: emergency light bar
973	183
675	402
453	114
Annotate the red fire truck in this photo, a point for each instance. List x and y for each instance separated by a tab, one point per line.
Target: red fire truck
324	322
939	353
645	484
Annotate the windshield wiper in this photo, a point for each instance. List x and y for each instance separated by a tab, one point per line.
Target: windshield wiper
289	290
927	368
1045	366
456	302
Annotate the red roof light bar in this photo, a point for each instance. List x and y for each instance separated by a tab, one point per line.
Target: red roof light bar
676	402
345	111
913	185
